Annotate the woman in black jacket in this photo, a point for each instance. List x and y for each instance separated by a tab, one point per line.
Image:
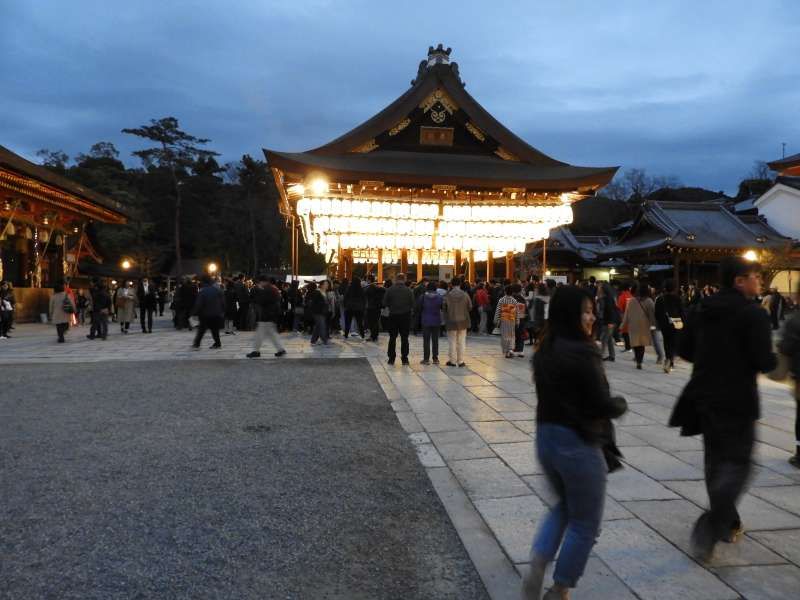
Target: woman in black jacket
669	316
354	304
574	440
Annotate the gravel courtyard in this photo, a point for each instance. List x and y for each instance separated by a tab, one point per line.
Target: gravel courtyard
216	479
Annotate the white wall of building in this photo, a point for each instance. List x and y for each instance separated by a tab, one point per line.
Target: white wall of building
787	283
781	207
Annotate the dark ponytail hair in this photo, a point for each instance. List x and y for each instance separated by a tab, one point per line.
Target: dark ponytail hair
564	316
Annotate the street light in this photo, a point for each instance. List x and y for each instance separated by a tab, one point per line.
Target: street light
750	255
126	264
212	268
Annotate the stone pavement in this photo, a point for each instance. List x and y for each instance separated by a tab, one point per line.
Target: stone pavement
474	430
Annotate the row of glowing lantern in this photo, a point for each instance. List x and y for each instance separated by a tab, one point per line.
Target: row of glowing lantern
326	243
325	225
43	235
429	257
553	215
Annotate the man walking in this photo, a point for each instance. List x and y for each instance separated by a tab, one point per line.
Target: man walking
243	298
399	299
457	307
267	299
148	300
728	338
210	310
374	295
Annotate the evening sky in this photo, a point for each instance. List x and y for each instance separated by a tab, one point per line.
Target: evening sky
695	89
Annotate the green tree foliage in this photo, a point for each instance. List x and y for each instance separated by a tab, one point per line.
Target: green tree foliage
55	159
230	212
176	152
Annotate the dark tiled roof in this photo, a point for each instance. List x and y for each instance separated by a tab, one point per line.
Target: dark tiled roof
692	225
793	182
433	168
585	247
16	163
534	169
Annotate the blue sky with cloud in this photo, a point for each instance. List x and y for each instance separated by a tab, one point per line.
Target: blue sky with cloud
698	90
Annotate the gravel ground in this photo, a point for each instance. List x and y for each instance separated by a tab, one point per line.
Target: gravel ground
220	479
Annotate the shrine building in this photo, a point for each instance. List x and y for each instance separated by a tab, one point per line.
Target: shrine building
432	179
43	219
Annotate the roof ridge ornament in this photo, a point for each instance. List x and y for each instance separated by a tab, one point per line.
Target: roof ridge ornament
436	56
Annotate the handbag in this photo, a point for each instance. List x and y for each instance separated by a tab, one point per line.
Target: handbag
782	370
677	322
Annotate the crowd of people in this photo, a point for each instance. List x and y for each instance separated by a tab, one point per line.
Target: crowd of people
725	332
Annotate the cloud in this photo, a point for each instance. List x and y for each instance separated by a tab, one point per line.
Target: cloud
696	90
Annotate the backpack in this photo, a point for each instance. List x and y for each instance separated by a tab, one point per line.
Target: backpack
67	306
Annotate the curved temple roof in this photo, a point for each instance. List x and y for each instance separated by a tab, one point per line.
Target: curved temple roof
437	133
99	206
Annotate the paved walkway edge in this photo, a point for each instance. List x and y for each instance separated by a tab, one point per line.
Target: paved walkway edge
501	580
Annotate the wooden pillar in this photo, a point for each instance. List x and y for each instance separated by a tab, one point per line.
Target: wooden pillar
379	275
489	266
544	259
340	264
419	265
294	249
471	271
404	261
457	265
509	265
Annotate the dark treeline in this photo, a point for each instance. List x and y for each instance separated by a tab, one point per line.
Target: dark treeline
228	212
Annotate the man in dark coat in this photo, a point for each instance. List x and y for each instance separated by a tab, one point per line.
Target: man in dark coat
267	299
790	347
374	295
185	296
147	296
728	338
210	310
243	298
399	299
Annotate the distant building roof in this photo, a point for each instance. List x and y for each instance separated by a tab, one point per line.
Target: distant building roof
785	163
744	206
793	182
584	247
114	211
694	225
687	194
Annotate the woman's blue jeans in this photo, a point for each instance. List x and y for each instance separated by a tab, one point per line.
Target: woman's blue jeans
577	472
